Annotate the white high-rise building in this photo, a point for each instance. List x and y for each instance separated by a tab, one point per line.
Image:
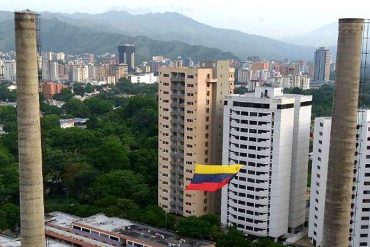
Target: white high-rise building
10	70
244	75
360	215
267	132
80	73
54	71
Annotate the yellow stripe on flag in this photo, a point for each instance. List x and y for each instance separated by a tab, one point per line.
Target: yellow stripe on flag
216	169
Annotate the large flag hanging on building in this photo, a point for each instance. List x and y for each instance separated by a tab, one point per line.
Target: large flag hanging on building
212	177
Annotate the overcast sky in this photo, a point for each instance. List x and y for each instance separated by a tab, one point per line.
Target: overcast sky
273	18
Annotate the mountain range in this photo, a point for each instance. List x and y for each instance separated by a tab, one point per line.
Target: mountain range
170	34
324	36
61	36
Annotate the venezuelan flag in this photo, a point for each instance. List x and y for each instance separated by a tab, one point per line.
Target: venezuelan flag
212	177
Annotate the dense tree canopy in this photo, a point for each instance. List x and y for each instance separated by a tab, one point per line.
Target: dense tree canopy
111	165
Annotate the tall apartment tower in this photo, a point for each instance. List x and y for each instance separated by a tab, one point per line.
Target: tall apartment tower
359	233
267	132
29	133
322	65
126	55
189	101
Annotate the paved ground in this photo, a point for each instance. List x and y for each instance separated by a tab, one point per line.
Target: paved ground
304	242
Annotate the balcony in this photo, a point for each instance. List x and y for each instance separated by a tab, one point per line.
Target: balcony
178	78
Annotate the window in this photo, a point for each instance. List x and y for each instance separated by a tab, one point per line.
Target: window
114	238
252	105
77	228
85	230
285	106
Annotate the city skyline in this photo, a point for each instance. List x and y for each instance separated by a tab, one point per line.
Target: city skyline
235	15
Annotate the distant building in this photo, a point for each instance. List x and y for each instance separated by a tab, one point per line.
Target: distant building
268	133
110	79
126	55
88	58
100	230
148	78
80	73
72	122
10	70
322	65
260	65
359	234
244	75
60	56
293	81
121	71
49	89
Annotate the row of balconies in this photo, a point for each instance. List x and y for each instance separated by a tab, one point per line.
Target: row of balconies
252	118
245	223
260	209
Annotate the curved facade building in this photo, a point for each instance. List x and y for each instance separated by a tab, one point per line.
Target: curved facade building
268	133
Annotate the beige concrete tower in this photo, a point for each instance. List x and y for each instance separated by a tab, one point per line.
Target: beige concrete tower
343	134
29	137
189	101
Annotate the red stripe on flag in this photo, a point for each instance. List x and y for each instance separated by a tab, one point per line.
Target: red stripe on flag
210	187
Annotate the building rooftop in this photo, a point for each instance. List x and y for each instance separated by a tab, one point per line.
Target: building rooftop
61	219
6	241
130	230
272	93
105	223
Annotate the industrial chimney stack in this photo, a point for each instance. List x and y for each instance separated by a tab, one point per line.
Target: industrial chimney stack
29	136
343	134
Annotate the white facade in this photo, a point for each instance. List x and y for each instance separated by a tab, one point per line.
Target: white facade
10	70
244	75
360	215
80	73
268	133
292	81
148	78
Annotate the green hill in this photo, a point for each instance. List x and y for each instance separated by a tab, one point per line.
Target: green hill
174	26
61	36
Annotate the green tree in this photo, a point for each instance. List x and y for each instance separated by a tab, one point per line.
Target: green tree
123	184
65	95
79	89
50	121
9	216
76	108
203	227
98	105
111	155
231	238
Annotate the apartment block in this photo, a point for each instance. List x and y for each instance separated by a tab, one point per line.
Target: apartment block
268	133
322	65
360	213
190	109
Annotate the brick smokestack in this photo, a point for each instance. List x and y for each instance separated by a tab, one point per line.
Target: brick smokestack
343	134
29	136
